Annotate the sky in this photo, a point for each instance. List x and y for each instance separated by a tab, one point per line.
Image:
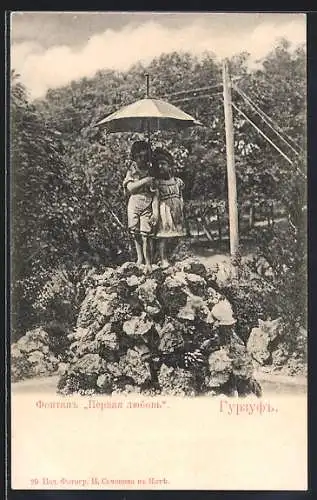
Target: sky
50	49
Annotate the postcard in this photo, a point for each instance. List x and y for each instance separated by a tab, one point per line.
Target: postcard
158	252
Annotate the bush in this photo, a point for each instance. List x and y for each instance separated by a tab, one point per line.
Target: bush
284	249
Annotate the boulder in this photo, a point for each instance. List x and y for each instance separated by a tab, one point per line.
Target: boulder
16	354
260	341
27	345
131	365
105	383
82	348
106	303
258	345
172	295
105	277
37	335
196	284
188	312
114	370
89	364
213	297
281	355
36	357
193	266
87	311
138	326
147	291
83	334
176	381
134	281
98	305
129	269
242	365
153	310
220	368
108	338
31	356
171	338
195	308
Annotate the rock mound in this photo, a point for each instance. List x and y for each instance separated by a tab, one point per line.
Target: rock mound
156	333
31	356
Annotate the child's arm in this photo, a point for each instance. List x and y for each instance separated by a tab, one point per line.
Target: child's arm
134	186
132	183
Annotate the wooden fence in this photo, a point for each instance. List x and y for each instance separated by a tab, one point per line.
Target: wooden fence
210	219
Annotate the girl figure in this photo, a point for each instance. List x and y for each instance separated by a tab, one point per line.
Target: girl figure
170	207
142	201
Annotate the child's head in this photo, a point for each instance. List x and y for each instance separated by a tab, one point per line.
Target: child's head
163	163
140	152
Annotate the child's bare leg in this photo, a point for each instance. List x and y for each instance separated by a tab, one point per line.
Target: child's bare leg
151	250
162	249
139	250
147	252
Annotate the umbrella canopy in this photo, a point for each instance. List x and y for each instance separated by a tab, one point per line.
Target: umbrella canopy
147	115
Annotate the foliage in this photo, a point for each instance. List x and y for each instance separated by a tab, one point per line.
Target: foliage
252	298
68	207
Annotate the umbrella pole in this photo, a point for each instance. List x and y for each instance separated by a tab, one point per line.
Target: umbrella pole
149	139
147	76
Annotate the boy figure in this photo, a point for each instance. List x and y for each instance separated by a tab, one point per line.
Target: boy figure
143	202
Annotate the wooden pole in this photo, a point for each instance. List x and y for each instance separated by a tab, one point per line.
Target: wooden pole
231	173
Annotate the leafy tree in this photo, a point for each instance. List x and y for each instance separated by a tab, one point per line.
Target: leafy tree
35	180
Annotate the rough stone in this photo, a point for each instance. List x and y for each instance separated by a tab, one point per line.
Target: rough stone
259	342
153	310
28	345
213	297
36	357
82	334
176	381
87	311
89	364
242	365
138	325
108	338
173	296
171	338
129	269
105	277
105	303
194	267
105	383
134	281
132	365
147	291
196	284
220	368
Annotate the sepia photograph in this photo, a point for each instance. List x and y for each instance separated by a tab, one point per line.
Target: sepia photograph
158	212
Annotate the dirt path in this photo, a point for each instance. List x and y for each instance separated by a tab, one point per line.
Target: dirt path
271	384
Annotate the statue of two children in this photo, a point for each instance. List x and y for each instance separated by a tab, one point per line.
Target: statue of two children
155	206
